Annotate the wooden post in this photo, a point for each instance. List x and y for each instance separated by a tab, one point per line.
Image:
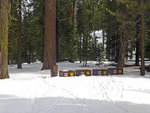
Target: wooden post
54	71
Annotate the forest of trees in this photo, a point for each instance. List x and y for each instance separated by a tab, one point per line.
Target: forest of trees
28	29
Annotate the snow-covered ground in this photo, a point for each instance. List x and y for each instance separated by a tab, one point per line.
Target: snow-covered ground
31	90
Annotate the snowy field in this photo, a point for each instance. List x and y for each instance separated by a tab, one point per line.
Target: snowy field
31	90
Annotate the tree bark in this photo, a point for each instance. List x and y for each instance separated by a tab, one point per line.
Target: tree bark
19	63
0	62
50	36
4	39
137	52
103	39
57	42
108	47
57	35
74	16
137	41
117	48
122	51
142	43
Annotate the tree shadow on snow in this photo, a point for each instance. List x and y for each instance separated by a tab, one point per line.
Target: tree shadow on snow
13	104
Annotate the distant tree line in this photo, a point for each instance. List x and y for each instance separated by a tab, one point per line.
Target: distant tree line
125	26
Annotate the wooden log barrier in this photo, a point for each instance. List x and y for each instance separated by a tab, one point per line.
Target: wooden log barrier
120	71
100	72
112	71
80	72
54	70
109	71
88	72
66	73
63	73
104	72
83	72
97	72
71	73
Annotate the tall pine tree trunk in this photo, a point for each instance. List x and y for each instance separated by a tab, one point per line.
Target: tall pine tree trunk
122	51
142	43
137	52
123	45
73	56
19	66
57	34
0	62
80	44
103	39
50	36
108	48
57	42
74	17
117	48
4	39
137	41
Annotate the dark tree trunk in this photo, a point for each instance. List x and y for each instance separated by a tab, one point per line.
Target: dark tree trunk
113	54
137	52
43	30
29	51
57	36
74	17
84	54
50	36
57	42
131	52
108	48
103	39
19	66
80	57
73	57
42	53
142	43
117	48
4	39
122	51
137	55
0	63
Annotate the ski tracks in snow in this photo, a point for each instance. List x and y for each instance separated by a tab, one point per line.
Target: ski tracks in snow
63	101
111	90
55	96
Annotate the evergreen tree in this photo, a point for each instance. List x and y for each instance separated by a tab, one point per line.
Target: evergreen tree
142	40
50	37
66	17
13	33
4	8
19	66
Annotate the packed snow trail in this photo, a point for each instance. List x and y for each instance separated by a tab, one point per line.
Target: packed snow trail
34	92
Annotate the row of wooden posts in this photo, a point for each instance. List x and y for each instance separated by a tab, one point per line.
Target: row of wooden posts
88	72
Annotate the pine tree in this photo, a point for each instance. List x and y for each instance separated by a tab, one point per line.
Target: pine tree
67	30
137	41
50	37
4	39
19	66
142	40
